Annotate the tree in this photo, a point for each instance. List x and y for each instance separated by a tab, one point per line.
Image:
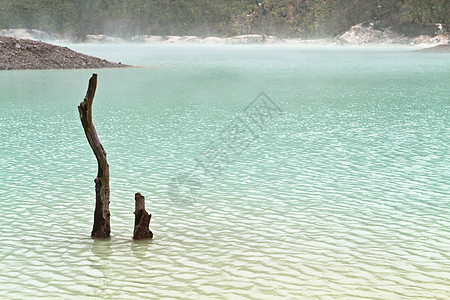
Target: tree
102	227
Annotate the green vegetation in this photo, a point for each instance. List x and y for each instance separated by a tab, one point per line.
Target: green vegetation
290	18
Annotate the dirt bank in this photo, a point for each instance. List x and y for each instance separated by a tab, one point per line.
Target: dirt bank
437	49
21	54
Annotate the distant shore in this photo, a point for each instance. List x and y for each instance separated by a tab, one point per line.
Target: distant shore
360	34
26	51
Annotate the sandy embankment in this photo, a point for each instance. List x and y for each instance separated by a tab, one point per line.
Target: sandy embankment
20	54
436	49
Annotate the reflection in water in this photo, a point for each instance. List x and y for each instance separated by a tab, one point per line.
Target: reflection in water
100	261
140	248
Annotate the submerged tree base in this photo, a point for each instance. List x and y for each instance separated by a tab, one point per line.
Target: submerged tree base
102	227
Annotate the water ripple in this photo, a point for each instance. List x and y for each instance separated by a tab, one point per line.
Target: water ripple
344	196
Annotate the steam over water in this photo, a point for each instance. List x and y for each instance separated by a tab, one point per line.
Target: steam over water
344	193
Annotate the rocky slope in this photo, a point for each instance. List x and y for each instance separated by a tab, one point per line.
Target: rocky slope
373	33
20	54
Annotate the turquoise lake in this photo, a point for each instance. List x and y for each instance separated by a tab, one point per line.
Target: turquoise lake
340	191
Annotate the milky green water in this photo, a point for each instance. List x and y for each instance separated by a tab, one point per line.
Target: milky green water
344	193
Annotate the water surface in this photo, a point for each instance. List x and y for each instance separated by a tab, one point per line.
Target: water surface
345	194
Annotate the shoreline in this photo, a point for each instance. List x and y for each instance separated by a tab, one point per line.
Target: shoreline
31	53
356	36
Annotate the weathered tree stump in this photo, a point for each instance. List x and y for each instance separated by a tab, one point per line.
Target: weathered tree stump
102	227
141	219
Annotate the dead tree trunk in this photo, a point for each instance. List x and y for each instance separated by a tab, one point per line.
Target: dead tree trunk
141	219
102	228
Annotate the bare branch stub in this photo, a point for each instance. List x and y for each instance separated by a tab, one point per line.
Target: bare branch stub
141	219
102	227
